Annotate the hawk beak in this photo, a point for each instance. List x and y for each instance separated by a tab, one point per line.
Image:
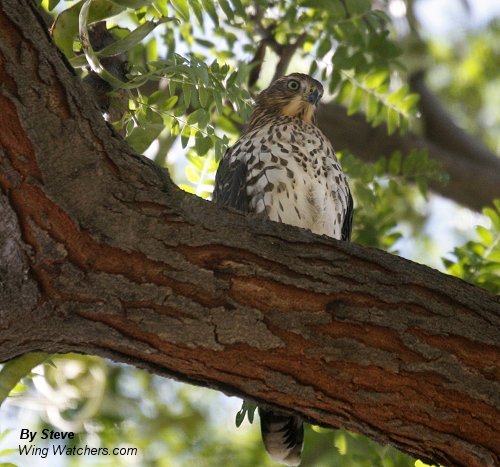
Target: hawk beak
314	97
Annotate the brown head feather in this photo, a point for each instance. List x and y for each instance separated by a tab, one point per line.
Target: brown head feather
295	95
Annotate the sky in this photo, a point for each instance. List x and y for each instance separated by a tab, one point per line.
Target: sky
443	17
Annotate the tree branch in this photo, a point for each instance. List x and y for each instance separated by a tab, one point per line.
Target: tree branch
104	255
474	177
441	129
285	53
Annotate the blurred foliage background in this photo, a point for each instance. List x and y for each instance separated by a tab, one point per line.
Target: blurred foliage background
178	78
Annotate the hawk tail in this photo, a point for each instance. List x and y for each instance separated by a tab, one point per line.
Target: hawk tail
283	436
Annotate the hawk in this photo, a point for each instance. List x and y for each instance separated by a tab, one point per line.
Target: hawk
283	168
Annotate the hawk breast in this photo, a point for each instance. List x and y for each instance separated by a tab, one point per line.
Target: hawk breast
293	176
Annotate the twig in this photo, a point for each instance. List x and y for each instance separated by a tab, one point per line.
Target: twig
286	53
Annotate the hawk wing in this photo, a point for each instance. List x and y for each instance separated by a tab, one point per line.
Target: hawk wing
347	224
231	183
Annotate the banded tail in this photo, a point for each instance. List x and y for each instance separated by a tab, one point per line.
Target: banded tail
283	436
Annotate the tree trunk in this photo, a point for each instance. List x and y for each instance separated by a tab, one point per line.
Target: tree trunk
101	253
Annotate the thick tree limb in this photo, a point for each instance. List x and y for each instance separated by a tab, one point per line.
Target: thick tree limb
440	128
100	253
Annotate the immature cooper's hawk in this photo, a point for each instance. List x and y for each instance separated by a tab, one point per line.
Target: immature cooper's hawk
283	168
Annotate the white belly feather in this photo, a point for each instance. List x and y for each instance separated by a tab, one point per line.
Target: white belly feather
298	183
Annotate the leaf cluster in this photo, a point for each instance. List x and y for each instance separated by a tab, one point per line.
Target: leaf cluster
478	261
354	54
382	190
465	74
193	90
189	47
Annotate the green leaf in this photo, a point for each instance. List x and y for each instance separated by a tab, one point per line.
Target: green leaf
141	137
345	91
374	80
161	7
186	93
408	164
204	97
494	216
134	4
240	417
372	107
409	102
202	144
238	8
192	174
187	188
355	100
397	97
226	8
53	4
485	235
340	58
394	166
185	135
181	6
123	45
324	47
218	101
380	167
358	6
196	7
91	56
14	370
382	16
313	67
247	408
204	43
136	36
341	443
65	28
195	116
209	7
335	80
203	118
392	120
226	125
422	185
496	203
218	149
170	103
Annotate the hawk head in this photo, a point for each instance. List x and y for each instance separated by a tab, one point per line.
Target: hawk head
295	95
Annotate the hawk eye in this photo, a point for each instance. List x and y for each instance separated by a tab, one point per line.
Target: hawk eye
293	85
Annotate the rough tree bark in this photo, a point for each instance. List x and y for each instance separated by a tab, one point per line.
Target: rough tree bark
100	253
